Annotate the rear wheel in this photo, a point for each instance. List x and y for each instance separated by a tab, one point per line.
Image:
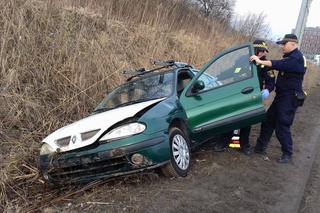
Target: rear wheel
180	162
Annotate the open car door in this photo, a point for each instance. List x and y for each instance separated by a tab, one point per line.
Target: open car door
224	95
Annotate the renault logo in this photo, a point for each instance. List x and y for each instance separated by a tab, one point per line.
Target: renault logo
74	139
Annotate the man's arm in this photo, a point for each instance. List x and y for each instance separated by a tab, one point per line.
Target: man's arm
290	64
258	61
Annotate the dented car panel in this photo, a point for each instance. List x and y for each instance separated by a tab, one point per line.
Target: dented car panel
99	122
106	160
113	158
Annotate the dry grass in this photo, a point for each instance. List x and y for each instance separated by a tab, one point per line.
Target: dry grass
58	59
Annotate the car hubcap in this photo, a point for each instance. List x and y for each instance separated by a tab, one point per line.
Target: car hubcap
180	152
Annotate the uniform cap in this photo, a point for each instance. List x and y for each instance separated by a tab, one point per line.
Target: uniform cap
288	37
260	45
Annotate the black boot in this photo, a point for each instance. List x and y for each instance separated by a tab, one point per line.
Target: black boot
219	148
260	151
285	159
246	151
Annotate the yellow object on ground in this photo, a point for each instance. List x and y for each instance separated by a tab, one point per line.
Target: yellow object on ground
235	143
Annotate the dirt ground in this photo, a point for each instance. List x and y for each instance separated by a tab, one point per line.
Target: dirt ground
218	182
310	202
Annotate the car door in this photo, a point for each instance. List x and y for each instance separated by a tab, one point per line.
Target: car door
230	98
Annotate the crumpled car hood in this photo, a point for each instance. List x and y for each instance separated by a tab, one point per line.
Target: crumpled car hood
101	121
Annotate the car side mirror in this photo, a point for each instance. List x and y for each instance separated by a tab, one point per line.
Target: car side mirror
199	85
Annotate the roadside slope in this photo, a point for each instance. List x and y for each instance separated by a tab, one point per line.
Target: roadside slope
59	58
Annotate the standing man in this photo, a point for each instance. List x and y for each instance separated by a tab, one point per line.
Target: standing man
281	113
267	80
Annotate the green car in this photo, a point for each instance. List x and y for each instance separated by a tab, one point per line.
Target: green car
155	119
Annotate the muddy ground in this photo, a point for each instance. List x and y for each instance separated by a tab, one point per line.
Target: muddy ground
218	182
310	202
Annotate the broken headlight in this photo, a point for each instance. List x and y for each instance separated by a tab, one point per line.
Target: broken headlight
124	131
46	149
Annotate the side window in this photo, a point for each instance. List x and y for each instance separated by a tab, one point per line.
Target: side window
229	68
184	77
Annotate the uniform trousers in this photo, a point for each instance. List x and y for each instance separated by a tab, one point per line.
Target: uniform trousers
280	117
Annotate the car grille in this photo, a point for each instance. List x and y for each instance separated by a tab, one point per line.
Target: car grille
86	167
88	135
63	141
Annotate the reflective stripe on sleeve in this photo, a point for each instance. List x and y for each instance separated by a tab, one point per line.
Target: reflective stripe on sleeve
304	62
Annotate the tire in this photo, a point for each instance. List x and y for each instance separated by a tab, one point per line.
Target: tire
180	154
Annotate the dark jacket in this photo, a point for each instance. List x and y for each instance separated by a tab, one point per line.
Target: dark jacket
266	77
291	71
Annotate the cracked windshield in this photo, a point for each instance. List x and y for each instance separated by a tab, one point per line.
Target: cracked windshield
144	89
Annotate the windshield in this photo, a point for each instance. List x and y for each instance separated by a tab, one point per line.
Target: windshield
144	89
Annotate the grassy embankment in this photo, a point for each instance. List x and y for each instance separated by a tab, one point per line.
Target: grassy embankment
59	58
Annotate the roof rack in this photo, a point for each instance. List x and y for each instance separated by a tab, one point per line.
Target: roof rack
161	64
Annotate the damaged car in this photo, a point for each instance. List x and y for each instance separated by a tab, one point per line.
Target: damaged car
155	119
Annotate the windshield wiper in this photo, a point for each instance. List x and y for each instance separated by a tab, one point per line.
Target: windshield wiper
124	104
103	109
131	102
137	101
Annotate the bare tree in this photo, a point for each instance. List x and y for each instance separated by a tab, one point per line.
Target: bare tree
217	9
251	25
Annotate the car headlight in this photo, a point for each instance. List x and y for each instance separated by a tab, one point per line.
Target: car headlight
124	131
46	149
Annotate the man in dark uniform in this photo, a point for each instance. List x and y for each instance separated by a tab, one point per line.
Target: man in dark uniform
267	81
288	87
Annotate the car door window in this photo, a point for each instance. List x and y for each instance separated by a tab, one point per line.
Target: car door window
227	69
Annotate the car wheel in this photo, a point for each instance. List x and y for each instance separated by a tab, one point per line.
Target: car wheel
180	153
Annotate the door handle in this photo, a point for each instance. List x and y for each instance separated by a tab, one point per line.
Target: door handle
247	90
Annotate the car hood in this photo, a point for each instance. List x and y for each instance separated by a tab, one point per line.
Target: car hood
100	122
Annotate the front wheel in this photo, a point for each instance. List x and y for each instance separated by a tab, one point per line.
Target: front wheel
180	154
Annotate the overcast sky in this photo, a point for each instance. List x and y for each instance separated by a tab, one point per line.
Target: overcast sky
281	15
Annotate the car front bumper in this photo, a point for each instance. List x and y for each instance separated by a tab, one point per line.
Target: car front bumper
102	162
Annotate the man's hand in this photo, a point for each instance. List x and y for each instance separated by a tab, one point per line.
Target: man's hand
258	61
265	94
255	58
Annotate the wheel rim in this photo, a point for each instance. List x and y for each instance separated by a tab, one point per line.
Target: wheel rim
180	151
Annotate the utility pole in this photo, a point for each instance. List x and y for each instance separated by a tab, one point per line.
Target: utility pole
302	19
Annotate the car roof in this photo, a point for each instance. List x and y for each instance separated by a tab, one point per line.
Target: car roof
163	66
